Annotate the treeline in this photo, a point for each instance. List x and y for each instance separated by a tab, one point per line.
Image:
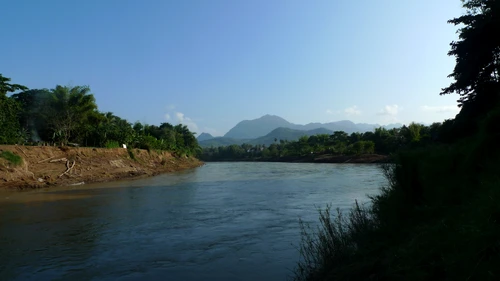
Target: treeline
380	141
70	116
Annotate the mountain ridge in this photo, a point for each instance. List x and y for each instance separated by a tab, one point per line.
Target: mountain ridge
259	127
265	129
204	136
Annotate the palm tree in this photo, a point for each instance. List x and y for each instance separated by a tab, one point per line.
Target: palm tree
70	107
6	87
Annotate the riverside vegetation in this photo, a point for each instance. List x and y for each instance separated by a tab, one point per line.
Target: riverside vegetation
69	115
439	216
46	122
381	141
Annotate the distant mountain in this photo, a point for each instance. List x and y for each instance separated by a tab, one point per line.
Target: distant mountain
288	134
364	127
344	125
278	134
392	126
251	129
265	129
204	136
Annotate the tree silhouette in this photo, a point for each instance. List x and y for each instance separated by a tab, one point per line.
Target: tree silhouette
477	53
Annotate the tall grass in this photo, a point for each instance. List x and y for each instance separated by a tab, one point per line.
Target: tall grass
437	219
333	242
11	158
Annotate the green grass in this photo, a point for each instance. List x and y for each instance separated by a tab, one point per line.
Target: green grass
437	219
12	158
112	144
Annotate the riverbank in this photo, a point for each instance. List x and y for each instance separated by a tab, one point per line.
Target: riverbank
364	158
45	166
324	158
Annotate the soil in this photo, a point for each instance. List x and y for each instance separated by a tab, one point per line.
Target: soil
45	166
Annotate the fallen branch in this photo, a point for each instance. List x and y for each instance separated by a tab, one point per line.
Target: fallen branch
46	160
59	160
69	168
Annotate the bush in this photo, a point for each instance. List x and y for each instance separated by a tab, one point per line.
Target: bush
149	142
112	144
11	157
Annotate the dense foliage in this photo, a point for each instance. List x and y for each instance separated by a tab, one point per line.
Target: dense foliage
438	218
381	141
69	115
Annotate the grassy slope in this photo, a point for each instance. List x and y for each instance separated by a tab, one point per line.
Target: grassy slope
438	220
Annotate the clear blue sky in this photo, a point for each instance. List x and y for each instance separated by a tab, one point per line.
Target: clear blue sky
211	64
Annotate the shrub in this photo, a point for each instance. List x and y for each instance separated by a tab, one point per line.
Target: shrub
112	144
11	157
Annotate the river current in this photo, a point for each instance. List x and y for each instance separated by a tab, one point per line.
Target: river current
222	221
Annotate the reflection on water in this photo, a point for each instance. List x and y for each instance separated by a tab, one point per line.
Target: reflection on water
223	221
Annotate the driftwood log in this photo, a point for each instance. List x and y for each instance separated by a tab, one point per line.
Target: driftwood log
68	168
45	160
59	160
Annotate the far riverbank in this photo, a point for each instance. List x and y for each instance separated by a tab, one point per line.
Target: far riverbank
324	158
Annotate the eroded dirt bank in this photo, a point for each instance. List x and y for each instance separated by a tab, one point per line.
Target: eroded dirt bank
45	166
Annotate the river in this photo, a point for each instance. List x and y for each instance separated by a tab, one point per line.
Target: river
222	221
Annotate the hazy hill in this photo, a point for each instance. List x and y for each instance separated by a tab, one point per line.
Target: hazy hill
265	129
288	134
278	134
251	129
344	125
204	136
392	126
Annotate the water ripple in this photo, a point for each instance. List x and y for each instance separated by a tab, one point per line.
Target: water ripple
223	221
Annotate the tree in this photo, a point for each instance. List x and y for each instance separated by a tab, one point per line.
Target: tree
369	147
115	129
6	87
339	136
10	129
34	105
477	53
70	108
382	139
358	147
354	137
